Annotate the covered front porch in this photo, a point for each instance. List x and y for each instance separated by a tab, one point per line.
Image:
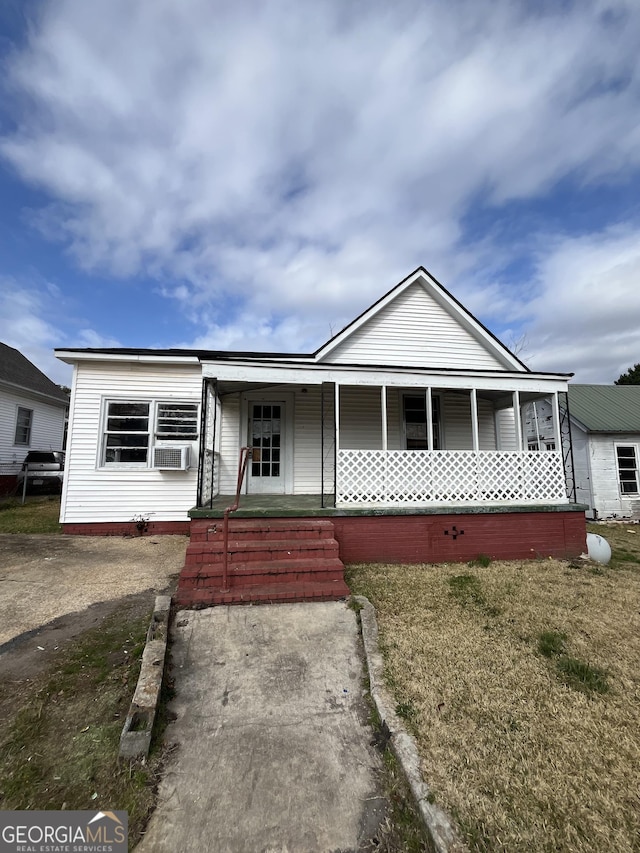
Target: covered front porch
385	440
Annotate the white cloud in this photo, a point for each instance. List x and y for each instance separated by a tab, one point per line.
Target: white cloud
587	315
24	327
275	166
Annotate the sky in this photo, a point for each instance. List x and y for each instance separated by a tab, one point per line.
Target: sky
253	175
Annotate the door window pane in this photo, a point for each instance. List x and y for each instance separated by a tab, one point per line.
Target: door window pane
265	438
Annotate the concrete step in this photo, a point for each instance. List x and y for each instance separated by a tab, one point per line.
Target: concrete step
298	591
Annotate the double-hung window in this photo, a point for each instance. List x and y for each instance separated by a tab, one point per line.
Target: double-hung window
24	419
126	435
132	426
627	457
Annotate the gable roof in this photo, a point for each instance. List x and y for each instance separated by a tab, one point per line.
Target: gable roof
606	408
17	370
450	313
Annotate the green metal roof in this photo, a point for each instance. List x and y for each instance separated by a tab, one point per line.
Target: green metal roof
606	408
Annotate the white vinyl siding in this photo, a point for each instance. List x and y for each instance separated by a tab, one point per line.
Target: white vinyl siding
456	423
47	429
95	494
360	418
581	467
308	441
599	462
415	329
230	443
505	429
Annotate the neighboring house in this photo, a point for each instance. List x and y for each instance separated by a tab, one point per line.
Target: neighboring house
32	413
400	430
605	428
539	425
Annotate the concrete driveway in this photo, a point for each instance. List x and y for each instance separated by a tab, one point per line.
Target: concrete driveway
43	577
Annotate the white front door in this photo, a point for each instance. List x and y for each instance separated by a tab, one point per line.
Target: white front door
266	473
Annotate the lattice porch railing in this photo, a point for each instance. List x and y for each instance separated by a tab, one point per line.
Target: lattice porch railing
419	477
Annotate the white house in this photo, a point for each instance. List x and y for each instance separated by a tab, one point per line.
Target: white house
407	413
605	428
32	413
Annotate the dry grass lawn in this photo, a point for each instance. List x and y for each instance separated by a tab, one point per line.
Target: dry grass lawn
521	682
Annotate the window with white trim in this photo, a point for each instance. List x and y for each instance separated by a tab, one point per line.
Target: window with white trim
627	456
415	421
24	419
130	425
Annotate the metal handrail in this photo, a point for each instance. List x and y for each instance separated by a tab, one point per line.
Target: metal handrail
242	468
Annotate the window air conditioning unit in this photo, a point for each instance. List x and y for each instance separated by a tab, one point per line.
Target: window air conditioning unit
172	458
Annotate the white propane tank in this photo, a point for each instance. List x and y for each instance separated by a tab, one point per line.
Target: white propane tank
598	548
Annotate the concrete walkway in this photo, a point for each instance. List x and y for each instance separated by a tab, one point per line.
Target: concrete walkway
274	748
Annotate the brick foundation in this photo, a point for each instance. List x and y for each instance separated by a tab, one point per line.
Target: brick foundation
459	538
417	538
127	528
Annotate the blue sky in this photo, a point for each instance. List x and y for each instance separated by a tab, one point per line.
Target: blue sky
253	175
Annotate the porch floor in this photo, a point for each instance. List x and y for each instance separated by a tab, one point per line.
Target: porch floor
288	506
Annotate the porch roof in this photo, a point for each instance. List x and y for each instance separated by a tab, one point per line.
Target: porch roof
242	374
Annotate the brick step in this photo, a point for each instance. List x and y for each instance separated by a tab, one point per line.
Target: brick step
263	550
298	591
211	531
276	572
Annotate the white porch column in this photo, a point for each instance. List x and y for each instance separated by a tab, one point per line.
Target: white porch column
517	419
429	402
556	420
474	420
383	407
336	408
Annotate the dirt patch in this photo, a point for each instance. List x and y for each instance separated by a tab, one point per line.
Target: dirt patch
45	577
26	657
61	715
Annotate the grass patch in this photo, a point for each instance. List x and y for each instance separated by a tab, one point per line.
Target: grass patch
60	749
582	676
518	760
622	556
551	643
466	589
481	561
624	540
38	515
406	711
